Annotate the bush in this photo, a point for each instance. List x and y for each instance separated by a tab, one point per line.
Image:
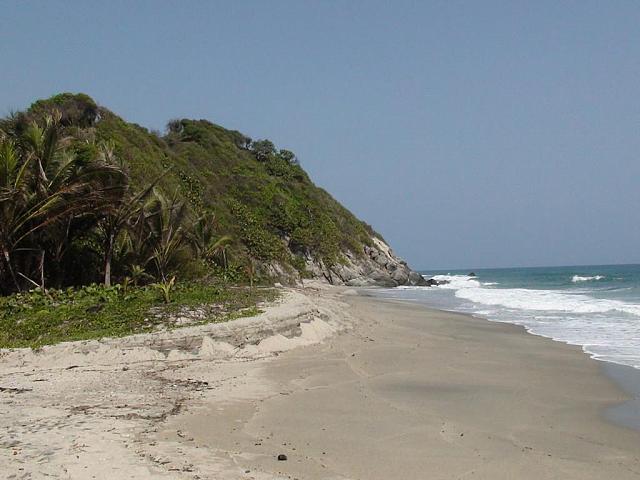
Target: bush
33	319
77	109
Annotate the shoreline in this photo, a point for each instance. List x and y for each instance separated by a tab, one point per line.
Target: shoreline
625	414
378	389
625	377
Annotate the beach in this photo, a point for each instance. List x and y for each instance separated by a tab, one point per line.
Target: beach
344	385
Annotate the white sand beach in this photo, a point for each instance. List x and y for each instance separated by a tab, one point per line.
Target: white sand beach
345	386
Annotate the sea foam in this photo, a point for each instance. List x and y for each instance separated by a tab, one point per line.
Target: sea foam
545	301
607	329
578	278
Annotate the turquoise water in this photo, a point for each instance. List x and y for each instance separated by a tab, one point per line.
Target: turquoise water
596	307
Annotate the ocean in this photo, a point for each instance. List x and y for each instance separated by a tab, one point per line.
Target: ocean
596	307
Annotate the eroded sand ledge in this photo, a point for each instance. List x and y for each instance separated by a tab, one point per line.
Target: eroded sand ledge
403	392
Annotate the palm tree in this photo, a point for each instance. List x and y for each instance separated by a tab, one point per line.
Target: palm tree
14	201
204	239
88	184
124	209
23	213
165	220
45	184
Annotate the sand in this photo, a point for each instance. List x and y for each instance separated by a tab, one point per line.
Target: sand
346	386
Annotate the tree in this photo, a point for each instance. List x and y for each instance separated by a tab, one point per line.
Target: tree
289	156
125	208
175	126
45	183
165	220
80	175
263	150
14	201
205	241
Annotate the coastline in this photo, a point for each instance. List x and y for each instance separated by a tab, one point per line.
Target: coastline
625	377
379	389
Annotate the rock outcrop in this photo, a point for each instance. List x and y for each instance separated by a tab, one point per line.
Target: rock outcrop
379	266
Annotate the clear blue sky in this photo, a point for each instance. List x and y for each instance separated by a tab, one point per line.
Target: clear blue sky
469	134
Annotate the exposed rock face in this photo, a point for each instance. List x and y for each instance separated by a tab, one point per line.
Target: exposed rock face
379	266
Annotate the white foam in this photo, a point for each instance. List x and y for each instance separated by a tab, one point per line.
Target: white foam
545	300
457	281
606	329
578	278
469	288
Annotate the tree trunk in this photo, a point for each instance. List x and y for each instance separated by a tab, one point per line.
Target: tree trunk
224	265
58	257
108	254
44	290
251	271
7	259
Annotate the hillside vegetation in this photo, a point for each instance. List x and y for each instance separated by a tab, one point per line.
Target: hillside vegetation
86	197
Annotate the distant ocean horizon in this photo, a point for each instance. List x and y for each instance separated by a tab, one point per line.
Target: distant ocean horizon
594	306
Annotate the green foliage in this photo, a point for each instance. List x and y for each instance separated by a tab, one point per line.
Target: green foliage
165	287
263	150
264	199
263	202
33	319
191	189
138	275
288	156
49	197
77	109
260	242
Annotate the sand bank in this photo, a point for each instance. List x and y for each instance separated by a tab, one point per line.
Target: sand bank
377	390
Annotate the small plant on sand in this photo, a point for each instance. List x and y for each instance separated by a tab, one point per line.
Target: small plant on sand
165	287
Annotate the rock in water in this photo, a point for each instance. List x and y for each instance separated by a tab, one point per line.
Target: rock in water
432	282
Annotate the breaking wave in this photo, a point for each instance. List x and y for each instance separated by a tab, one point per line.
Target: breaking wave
606	328
578	278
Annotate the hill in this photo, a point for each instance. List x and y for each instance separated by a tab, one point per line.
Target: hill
259	197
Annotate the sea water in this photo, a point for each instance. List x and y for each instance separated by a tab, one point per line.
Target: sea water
596	307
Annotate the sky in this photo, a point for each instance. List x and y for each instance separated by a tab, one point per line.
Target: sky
469	134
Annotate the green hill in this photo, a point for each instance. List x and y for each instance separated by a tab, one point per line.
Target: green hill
259	196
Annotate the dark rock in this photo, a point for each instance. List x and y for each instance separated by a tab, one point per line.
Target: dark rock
471	274
416	279
432	282
282	457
